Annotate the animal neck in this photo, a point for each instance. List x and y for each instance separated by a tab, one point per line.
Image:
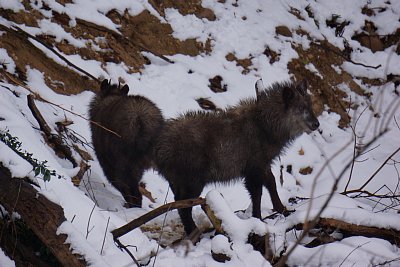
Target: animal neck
274	125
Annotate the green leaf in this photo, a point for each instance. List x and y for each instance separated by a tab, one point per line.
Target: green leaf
37	171
46	176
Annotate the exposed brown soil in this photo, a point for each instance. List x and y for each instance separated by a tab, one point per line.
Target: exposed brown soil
325	91
245	63
60	78
184	7
143	32
146	33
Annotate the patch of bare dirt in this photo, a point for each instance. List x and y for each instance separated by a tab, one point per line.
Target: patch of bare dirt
325	90
60	78
245	63
28	17
166	235
156	36
184	7
143	32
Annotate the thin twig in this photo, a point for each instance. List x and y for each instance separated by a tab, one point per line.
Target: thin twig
346	58
385	263
13	221
369	194
87	227
354	147
121	246
380	167
309	225
348	255
162	229
104	238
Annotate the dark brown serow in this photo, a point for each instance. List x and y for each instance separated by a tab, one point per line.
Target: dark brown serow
199	148
124	152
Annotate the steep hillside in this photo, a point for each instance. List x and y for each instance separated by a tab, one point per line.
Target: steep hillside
192	55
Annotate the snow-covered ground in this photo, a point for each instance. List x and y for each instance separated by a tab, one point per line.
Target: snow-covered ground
174	89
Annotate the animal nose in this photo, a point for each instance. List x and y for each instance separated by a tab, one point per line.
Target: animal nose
315	124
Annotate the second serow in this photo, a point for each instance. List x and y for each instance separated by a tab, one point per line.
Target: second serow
199	148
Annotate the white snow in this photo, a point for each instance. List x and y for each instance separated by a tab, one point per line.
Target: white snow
244	30
5	261
7	61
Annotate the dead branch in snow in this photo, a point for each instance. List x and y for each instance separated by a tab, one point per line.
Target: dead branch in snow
215	221
40	98
53	140
351	229
83	168
181	204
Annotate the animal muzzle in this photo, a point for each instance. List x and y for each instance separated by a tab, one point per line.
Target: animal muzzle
313	124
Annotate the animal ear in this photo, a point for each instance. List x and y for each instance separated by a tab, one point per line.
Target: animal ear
302	87
104	86
125	89
287	95
259	88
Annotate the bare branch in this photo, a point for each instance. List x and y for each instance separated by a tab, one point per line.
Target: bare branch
59	147
359	246
380	167
38	97
122	247
88	223
181	204
104	238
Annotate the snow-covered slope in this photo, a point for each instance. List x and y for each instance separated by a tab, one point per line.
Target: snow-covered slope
245	29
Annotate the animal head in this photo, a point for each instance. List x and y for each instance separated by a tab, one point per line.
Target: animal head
295	108
108	89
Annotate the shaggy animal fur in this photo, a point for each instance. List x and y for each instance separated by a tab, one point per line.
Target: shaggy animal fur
199	148
137	121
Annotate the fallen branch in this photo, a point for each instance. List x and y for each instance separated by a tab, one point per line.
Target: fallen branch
349	229
84	167
38	97
215	221
54	140
215	204
145	192
181	204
